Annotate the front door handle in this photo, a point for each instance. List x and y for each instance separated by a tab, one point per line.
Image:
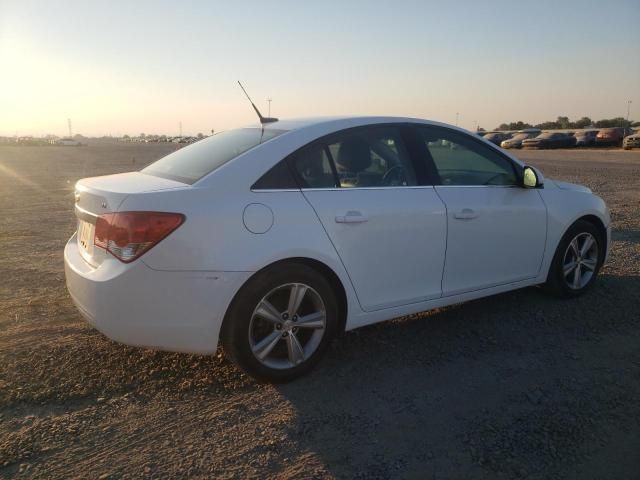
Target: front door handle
466	214
352	216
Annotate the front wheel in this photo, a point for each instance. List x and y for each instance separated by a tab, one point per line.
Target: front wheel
577	260
281	322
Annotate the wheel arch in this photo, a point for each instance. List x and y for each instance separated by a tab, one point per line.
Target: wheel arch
318	266
600	226
594	220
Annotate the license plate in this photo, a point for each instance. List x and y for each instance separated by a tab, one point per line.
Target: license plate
86	231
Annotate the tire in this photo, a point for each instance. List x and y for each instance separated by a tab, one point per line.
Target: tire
567	285
286	345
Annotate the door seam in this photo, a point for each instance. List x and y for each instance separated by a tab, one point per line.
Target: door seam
446	240
355	292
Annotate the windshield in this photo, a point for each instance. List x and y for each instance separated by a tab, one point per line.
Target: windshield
191	163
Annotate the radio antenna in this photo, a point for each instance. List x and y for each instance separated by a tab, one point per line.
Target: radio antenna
263	120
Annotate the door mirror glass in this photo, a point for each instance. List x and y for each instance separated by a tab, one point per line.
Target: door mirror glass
529	179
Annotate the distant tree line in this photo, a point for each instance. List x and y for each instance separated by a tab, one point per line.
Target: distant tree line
565	123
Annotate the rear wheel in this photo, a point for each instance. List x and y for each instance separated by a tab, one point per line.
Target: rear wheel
577	260
281	322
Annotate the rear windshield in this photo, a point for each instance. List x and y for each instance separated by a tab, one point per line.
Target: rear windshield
191	163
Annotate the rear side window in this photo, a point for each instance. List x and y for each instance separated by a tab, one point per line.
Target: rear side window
314	167
191	163
358	158
279	177
374	157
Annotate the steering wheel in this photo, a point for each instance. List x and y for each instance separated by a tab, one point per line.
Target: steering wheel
387	177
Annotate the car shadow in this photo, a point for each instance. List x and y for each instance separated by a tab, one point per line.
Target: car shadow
488	387
626	235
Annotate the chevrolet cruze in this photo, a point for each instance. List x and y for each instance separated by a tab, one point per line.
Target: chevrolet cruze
272	239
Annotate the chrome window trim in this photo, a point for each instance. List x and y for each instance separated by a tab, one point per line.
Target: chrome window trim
351	189
272	190
479	186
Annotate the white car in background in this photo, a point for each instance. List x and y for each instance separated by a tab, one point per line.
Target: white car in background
272	239
519	137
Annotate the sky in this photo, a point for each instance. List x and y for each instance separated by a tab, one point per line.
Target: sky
129	67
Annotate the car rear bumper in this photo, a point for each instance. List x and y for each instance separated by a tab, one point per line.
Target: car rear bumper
136	305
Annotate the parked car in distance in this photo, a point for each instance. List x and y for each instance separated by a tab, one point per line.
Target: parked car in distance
612	136
550	140
631	141
69	142
260	238
497	137
516	140
586	138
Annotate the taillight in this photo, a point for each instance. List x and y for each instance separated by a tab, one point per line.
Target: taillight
127	235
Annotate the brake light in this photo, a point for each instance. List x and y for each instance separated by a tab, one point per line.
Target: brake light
127	235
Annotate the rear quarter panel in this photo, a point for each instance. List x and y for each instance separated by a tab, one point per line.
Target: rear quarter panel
214	236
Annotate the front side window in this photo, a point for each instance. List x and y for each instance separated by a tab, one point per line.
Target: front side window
461	160
191	163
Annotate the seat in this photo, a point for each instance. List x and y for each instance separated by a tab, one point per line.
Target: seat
354	157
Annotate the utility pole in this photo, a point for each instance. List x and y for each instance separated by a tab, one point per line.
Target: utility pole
69	125
628	110
269	109
457	118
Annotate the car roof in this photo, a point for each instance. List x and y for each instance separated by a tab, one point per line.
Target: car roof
342	122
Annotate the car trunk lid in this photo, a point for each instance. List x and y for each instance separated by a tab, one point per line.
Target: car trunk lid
97	196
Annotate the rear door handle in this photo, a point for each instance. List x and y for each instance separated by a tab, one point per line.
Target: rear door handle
466	214
352	216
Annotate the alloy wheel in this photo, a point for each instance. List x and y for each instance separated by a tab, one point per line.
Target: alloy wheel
580	261
287	326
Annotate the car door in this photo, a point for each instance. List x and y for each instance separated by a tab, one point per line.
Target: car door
496	228
388	230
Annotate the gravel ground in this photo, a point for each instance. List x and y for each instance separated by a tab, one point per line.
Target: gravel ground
518	385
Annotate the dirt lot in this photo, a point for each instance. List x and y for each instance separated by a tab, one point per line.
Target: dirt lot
519	385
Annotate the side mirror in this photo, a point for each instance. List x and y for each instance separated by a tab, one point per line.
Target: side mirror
530	178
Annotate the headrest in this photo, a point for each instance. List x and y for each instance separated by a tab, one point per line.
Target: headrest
354	155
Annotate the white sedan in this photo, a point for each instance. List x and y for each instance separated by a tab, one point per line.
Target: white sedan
273	239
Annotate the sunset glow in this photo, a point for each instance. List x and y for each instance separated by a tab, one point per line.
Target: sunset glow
116	67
